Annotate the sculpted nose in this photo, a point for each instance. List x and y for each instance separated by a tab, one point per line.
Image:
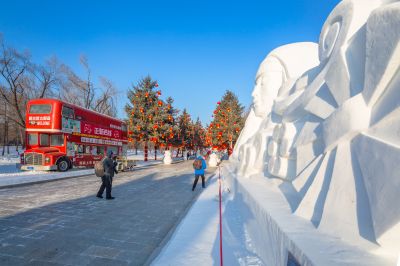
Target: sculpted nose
254	93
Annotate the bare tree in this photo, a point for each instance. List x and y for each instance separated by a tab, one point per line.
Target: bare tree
43	80
105	103
88	89
22	80
77	90
13	70
82	92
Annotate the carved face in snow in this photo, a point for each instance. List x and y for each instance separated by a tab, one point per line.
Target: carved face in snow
354	110
269	79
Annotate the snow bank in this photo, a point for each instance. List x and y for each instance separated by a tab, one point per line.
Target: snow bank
11	175
16	177
192	242
39	176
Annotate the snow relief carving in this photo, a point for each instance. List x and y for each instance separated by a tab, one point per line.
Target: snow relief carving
331	129
282	66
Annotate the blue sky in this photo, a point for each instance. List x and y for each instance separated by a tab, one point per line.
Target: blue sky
195	49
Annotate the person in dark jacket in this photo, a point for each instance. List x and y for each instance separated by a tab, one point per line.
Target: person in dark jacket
109	169
199	172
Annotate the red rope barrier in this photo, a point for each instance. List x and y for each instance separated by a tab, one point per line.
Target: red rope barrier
220	219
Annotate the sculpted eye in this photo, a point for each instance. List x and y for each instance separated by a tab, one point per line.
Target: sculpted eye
329	39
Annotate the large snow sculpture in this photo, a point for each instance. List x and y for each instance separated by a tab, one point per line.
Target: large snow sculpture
345	197
282	65
330	139
334	132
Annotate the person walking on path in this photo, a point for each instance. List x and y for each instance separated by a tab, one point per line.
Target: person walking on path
199	165
109	170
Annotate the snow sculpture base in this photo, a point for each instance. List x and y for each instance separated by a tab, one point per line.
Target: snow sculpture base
167	157
274	232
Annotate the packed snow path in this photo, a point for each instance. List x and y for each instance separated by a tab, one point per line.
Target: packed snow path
63	223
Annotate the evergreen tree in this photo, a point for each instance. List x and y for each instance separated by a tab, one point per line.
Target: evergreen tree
227	123
144	112
168	124
184	139
199	135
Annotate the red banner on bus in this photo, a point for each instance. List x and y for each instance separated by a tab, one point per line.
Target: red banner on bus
95	130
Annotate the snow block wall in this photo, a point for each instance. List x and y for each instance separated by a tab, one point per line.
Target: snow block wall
325	125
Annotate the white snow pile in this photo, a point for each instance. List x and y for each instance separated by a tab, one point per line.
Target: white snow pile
167	157
9	161
314	175
214	160
139	156
11	154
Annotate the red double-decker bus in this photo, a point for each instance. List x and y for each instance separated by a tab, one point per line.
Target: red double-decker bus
60	136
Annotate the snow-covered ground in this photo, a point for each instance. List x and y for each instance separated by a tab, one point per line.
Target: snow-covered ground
11	175
9	162
196	240
28	177
12	156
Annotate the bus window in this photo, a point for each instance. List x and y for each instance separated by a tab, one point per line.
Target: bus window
87	149
44	139
100	150
70	148
33	139
67	112
40	109
78	148
114	149
124	128
57	140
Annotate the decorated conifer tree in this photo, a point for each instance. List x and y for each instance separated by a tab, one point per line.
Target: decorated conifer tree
228	121
144	112
168	127
184	138
198	137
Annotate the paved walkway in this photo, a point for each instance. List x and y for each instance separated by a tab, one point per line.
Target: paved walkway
63	223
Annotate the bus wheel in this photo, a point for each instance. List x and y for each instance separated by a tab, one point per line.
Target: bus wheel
63	165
